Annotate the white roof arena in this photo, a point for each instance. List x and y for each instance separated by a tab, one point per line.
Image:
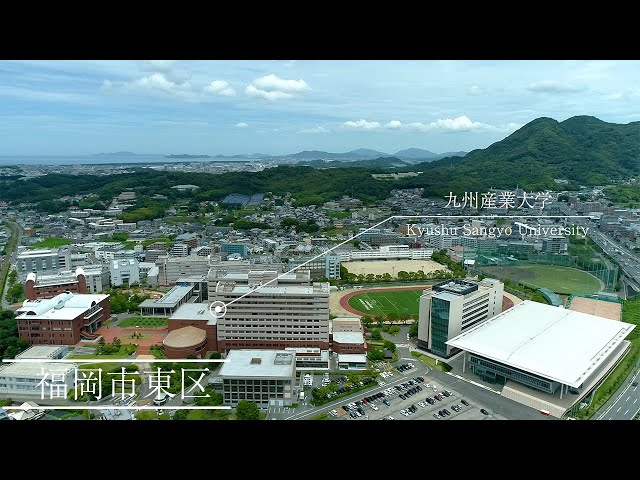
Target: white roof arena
555	343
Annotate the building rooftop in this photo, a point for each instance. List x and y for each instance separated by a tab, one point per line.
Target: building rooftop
351	358
259	363
185	337
27	369
65	306
559	344
43	351
169	299
348	337
194	311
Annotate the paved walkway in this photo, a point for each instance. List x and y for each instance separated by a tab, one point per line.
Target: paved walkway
150	336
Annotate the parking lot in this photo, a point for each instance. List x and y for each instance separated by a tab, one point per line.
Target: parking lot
423	410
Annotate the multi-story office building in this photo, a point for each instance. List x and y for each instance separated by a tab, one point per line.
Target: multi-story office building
180	250
42	262
451	307
327	266
289	311
62	320
124	272
259	376
239	248
172	268
554	244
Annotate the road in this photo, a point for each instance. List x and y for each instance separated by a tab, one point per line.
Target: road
628	261
12	245
627	403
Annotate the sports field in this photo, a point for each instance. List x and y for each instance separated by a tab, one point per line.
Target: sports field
563	280
382	303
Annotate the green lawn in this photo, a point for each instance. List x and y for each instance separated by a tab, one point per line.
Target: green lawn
53	242
383	303
563	280
143	322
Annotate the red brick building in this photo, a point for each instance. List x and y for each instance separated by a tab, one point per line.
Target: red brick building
65	319
51	285
183	339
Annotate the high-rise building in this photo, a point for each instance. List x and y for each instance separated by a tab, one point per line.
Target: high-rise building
289	311
451	307
180	250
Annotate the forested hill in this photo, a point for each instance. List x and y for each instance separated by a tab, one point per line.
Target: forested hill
583	150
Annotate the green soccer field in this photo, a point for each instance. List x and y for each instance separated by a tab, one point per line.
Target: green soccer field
563	280
382	303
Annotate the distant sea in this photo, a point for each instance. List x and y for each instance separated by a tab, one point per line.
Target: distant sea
105	158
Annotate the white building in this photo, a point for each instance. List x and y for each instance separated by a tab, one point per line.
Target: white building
388	252
124	272
547	357
172	268
22	379
180	250
454	306
259	376
42	262
289	311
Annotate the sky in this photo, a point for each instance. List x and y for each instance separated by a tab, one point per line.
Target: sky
228	107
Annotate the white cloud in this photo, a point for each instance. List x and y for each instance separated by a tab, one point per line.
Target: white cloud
362	125
475	90
552	86
252	91
318	129
458	124
154	84
271	87
220	87
242	125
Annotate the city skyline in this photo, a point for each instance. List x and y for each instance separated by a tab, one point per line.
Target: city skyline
281	107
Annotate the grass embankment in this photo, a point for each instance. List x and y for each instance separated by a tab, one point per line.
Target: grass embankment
442	366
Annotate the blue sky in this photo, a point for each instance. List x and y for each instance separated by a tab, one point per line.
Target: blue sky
277	107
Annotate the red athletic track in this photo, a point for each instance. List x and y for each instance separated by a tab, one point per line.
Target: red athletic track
344	301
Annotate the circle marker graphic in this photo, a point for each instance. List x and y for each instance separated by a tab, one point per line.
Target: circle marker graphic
218	309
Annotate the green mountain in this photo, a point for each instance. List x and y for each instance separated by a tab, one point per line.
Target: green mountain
583	150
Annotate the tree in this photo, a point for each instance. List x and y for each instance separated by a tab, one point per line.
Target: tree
181	415
247	410
375	354
413	329
389	346
116	342
366	321
375	334
215	355
15	293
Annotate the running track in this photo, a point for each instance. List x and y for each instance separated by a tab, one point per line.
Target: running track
344	301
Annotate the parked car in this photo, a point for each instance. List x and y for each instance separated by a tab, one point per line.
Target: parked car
485	412
464	402
386	402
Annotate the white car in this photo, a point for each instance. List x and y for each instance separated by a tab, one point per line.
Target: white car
382	384
334	413
374	407
404	412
